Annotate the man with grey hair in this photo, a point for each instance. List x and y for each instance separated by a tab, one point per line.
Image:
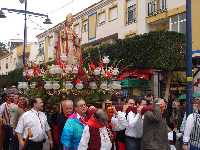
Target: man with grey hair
155	128
66	109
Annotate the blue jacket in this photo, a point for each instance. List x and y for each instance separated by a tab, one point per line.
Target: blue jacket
72	133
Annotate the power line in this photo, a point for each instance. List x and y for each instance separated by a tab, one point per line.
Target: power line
57	9
41	28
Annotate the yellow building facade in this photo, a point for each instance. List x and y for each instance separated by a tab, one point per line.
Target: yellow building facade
196	28
118	19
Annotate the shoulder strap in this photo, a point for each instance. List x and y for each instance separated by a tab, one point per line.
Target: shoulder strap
174	137
6	114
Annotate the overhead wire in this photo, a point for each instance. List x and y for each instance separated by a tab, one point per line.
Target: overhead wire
41	28
63	6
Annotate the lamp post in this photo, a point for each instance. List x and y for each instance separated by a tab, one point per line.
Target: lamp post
189	57
25	34
24	12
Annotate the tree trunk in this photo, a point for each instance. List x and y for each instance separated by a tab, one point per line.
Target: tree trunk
168	82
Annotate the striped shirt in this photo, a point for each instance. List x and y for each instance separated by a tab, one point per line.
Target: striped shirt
192	130
195	134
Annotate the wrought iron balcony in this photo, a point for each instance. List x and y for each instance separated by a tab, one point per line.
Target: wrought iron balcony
156	7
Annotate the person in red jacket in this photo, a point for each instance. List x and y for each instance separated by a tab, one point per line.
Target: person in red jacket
96	135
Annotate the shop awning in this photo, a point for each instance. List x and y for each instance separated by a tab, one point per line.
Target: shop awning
134	83
143	74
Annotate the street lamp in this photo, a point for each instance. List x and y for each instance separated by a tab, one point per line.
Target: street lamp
25	12
2	15
47	21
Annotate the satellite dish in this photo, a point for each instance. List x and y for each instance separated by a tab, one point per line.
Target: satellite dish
21	1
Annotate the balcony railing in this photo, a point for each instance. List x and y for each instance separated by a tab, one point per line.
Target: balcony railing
156	7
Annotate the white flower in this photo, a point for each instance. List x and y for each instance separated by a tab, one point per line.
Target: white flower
106	59
79	86
97	71
68	68
115	71
75	70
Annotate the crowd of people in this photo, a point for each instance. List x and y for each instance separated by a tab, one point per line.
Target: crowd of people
148	123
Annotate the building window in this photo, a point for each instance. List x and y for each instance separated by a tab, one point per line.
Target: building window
41	50
178	23
182	23
131	12
76	28
92	23
84	26
101	18
156	7
174	23
113	13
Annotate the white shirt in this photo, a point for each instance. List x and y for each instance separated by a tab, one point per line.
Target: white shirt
118	121
172	147
133	124
188	128
37	122
171	136
105	139
12	110
2	108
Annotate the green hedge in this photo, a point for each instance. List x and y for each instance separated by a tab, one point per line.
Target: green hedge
12	78
158	50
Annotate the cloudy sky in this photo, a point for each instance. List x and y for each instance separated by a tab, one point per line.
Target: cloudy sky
12	26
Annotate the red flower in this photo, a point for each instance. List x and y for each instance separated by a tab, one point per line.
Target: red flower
92	66
108	74
36	70
78	81
61	64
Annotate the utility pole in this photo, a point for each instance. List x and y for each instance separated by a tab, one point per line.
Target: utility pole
189	56
25	32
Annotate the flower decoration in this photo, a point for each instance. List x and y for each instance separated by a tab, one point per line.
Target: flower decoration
67	74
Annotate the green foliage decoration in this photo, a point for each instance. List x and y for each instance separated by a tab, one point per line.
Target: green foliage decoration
162	50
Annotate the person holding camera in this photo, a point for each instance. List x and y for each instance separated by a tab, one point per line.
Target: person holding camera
130	120
155	132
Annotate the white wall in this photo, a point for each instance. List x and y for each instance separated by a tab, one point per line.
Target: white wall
110	27
11	60
33	52
175	3
142	11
